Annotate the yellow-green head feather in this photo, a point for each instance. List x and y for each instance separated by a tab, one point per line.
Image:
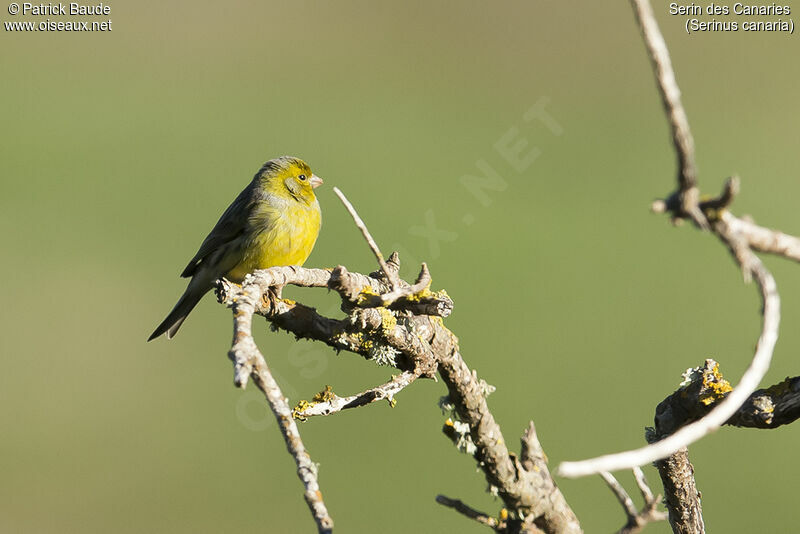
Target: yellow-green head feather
291	176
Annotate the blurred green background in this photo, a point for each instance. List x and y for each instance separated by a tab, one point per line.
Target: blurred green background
119	151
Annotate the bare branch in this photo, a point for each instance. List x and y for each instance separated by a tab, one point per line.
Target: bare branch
728	230
757	237
327	402
644	487
764	239
409	339
471	513
390	274
248	361
636	520
422	344
416	298
704	387
533	489
682	497
620	493
688	194
771	407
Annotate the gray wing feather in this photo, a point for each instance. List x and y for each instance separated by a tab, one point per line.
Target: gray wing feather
229	227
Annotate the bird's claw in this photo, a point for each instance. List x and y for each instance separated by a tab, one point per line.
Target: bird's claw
272	298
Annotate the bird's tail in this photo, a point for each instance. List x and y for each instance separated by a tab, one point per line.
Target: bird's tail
175	319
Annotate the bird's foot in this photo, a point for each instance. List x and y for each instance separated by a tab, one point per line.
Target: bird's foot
272	298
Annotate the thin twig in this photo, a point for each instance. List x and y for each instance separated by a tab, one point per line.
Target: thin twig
636	519
390	274
332	403
248	361
644	487
422	283
622	495
469	512
671	98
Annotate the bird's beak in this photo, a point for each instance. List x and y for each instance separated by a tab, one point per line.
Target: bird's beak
315	181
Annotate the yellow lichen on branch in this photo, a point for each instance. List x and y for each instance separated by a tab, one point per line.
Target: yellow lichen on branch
715	387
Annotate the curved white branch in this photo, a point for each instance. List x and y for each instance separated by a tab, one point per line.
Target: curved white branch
719	415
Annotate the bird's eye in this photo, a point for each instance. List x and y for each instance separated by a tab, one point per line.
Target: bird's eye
302	177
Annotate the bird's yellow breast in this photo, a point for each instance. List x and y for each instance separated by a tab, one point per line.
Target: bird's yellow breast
282	235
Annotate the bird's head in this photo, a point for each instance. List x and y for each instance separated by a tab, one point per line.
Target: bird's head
290	176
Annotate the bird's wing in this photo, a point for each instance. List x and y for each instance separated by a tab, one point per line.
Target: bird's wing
229	227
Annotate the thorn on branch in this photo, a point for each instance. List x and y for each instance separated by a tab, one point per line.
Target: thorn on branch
394	261
714	206
532	456
709	210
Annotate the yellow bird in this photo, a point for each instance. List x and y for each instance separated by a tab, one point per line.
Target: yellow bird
274	221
